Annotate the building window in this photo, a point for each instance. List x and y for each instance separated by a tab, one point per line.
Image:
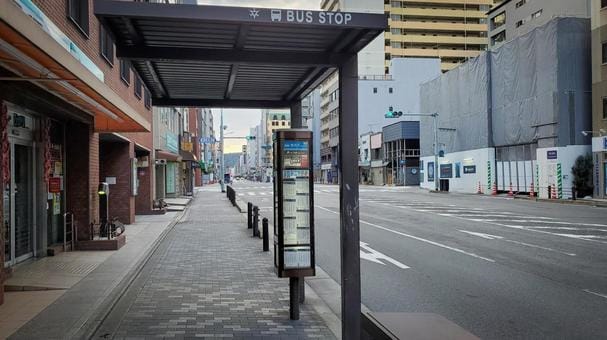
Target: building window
147	98
284	123
498	38
498	20
106	45
125	71
521	3
537	14
390	90
283	117
603	3
604	49
375	90
604	107
520	23
138	86
78	12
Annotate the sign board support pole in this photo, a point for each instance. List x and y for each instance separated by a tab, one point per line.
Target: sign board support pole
294	297
296	123
348	198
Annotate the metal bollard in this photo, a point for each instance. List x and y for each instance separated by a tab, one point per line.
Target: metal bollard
255	221
249	215
266	236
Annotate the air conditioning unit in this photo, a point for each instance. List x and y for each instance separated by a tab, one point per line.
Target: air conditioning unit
161	162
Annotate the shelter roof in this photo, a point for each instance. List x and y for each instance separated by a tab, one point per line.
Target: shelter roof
191	55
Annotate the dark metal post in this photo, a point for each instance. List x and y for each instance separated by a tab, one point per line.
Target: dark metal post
294	298
255	221
249	215
296	115
348	198
266	236
302	289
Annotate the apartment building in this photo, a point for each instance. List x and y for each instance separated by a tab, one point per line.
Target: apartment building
599	96
272	120
329	129
513	18
452	30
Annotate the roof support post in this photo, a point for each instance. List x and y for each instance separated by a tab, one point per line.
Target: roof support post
348	199
296	118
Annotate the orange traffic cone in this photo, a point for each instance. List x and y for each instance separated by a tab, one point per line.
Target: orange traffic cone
494	191
532	191
510	193
480	189
554	193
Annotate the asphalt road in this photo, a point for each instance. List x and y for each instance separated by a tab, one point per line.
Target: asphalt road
500	268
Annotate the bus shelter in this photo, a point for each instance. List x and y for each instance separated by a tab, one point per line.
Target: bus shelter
239	57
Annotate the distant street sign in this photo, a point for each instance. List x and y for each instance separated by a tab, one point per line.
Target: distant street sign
208	140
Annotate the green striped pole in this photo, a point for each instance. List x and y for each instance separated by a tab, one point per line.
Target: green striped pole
559	178
537	180
489	187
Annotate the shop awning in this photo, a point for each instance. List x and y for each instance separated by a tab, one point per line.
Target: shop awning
168	156
187	156
191	55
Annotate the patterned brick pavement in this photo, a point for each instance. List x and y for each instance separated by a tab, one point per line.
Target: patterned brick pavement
210	279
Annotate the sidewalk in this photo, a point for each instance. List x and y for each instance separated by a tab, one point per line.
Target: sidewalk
210	279
53	297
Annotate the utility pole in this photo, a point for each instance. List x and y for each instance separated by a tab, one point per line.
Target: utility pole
222	164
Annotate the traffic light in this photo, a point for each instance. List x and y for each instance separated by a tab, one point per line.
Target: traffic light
393	114
251	138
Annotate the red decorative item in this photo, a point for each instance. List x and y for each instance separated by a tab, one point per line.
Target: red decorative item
4	147
46	139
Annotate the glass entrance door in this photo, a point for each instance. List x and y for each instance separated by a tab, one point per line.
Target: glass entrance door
23	201
19	203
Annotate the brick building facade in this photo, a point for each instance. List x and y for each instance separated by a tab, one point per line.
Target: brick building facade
75	116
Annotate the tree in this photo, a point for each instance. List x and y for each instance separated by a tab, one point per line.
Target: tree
582	175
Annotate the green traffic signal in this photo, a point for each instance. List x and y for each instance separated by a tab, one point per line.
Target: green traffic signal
390	113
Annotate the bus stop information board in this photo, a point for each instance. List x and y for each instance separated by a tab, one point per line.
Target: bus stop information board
293	204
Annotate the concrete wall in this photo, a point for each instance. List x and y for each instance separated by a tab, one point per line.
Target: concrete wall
482	159
548	168
406	76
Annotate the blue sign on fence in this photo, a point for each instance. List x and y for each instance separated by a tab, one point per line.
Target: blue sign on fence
552	154
605	143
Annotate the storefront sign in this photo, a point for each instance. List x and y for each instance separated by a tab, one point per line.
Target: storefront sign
430	171
54	32
552	154
187	146
469	169
446	171
172	143
54	185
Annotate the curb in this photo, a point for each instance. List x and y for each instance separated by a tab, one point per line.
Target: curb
88	329
571	202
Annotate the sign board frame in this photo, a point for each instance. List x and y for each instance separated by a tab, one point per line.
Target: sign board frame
289	145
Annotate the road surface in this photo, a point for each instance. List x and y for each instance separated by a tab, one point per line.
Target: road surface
500	268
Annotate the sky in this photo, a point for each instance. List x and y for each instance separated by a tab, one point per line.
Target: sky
239	121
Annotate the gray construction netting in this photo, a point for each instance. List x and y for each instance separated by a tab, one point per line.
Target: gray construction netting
539	93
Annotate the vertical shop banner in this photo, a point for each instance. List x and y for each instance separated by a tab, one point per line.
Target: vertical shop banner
430	171
4	147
